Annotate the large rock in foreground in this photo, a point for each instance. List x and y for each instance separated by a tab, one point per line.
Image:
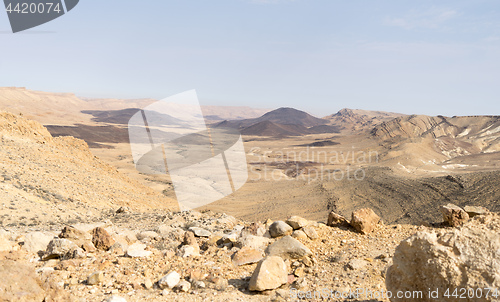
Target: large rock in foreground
270	273
364	220
466	259
19	283
288	247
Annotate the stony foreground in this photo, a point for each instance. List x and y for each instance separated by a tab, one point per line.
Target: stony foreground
189	256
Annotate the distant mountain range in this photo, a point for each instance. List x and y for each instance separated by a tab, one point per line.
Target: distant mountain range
280	123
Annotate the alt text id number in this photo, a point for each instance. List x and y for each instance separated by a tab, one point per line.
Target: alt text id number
33	8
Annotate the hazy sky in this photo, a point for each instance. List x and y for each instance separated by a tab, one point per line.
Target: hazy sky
425	57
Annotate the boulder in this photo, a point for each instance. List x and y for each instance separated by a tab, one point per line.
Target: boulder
148	235
475	211
364	220
189	239
183	286
280	228
356	264
246	255
310	231
270	273
200	232
467	258
299	234
19	283
335	219
170	280
137	250
254	242
36	241
255	229
454	215
62	248
188	251
101	239
95	278
288	247
297	222
80	238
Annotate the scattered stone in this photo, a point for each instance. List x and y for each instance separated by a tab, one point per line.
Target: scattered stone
151	235
280	228
101	239
184	286
255	229
95	278
148	284
164	230
270	273
335	219
364	220
231	238
288	247
299	234
297	222
299	272
199	232
62	248
123	210
170	280
448	259
188	251
19	283
356	264
246	255
254	242
476	211
199	284
136	250
189	239
36	241
310	232
117	248
454	215
220	283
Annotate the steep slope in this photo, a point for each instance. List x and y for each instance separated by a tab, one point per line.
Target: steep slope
45	174
405	200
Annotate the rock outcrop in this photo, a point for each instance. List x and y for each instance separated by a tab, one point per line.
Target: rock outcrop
465	259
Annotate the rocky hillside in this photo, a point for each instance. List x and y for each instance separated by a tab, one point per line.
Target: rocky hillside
55	179
438	143
481	132
360	120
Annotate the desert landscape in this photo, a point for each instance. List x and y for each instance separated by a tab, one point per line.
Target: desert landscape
342	207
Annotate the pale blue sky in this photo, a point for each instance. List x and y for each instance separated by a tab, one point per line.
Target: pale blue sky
425	57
